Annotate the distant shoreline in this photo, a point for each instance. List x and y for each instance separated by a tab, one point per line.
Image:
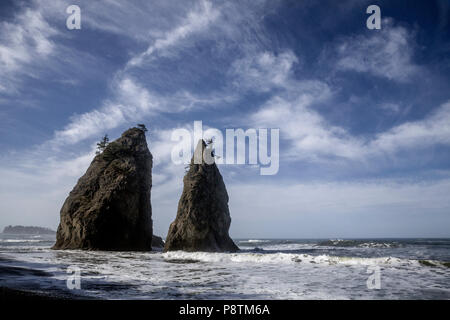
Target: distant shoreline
27	230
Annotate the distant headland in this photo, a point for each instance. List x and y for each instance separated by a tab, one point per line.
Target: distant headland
27	230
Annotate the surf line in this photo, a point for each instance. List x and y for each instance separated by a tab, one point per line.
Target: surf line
191	310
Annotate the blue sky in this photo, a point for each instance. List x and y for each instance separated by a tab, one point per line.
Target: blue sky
364	115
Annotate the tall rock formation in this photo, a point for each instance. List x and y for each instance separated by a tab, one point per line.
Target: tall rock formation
109	208
203	218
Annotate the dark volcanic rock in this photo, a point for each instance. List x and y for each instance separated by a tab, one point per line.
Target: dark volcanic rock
203	218
109	208
157	242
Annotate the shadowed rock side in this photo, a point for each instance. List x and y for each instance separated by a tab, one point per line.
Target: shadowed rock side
109	208
157	242
203	218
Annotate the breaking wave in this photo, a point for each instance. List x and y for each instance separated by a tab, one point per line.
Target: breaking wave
282	258
357	243
254	241
20	240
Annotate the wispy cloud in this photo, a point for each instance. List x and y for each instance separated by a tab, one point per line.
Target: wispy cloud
313	138
310	135
196	20
264	71
132	100
387	53
131	103
432	130
35	49
24	44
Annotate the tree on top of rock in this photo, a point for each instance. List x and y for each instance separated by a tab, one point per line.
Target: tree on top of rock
142	127
102	144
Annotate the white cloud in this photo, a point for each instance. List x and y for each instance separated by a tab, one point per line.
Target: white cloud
131	100
385	53
291	108
139	21
264	71
432	130
24	44
196	20
309	133
390	107
162	145
34	46
313	138
91	123
131	103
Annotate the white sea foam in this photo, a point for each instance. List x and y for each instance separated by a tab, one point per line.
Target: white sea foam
281	258
357	244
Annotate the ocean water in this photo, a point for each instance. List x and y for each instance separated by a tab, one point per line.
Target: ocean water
263	269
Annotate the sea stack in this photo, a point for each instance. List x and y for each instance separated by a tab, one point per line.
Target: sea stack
203	218
109	208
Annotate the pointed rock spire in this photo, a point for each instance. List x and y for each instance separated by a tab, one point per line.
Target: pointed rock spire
203	218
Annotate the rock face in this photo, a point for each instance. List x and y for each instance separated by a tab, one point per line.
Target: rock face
203	218
109	208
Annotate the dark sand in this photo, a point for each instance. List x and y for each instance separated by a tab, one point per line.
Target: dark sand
16	294
12	293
